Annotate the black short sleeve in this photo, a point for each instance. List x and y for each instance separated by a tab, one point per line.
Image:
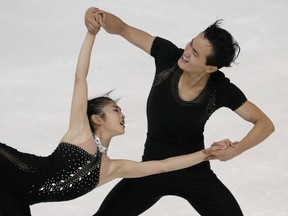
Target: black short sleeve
165	53
230	95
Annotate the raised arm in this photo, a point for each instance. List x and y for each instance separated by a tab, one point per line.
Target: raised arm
114	25
79	129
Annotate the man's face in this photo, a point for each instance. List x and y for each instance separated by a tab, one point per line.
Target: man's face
195	54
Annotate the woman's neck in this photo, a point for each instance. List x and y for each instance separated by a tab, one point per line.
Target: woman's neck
105	141
100	147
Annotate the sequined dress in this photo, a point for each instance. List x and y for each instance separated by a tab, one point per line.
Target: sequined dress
69	172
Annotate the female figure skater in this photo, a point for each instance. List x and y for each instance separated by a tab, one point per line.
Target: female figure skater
80	162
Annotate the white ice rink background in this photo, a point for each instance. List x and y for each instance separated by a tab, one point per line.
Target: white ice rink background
39	45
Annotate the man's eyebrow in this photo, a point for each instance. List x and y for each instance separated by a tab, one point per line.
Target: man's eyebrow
194	50
117	107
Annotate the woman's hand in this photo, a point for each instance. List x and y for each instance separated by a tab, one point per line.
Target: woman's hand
93	18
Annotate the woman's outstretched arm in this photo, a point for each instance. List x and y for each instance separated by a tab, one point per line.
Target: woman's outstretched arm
134	169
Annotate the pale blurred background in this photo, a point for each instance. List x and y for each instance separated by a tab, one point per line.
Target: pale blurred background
39	46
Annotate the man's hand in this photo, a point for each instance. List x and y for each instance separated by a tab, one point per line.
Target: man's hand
222	150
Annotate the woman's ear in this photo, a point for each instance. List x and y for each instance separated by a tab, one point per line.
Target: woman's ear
96	119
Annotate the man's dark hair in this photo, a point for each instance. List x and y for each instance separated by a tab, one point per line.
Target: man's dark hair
225	49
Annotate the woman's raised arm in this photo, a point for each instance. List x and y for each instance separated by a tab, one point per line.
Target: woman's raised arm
79	128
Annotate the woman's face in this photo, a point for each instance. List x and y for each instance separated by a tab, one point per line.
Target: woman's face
114	120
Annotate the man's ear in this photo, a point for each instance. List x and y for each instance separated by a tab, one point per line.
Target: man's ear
96	119
211	69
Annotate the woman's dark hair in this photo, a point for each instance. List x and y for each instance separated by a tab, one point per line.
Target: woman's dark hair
95	107
225	49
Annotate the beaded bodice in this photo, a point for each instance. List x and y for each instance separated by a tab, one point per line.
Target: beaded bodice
69	173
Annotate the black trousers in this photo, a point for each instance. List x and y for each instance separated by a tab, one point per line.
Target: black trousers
203	190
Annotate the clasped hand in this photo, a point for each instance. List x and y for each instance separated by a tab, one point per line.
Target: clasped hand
222	150
94	19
